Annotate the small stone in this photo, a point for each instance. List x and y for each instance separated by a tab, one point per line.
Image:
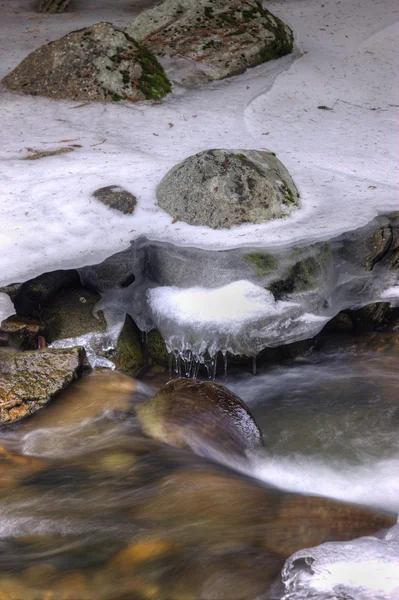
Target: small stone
117	198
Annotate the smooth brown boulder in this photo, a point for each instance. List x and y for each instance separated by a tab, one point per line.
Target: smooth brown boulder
202	416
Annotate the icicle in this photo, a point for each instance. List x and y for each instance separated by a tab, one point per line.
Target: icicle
214	366
254	364
196	368
225	364
170	363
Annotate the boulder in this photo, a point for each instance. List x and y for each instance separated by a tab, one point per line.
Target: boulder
69	314
129	357
202	416
29	380
225	188
211	39
23	332
377	246
97	63
117	198
31	297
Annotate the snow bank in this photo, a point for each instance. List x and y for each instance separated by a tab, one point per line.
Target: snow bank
342	160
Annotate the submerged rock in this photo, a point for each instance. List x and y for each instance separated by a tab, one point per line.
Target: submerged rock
224	188
218	38
202	416
117	198
97	63
70	314
15	468
23	332
29	380
53	6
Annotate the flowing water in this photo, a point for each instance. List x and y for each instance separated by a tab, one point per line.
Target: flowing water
90	509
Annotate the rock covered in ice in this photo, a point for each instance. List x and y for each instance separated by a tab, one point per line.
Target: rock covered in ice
365	569
98	63
224	188
219	38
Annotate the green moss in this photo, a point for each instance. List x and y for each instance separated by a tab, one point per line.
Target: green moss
153	82
282	43
116	97
129	356
156	348
265	263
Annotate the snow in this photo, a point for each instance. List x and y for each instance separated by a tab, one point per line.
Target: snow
6	307
344	160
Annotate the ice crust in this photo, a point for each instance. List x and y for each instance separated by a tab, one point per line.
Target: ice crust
343	161
365	569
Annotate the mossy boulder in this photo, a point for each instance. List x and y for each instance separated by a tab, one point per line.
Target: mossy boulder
117	198
29	380
129	356
224	188
23	332
218	38
202	416
70	314
97	63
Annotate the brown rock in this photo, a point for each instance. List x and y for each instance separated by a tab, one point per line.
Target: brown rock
117	198
23	332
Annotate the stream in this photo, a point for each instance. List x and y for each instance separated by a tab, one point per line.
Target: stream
92	510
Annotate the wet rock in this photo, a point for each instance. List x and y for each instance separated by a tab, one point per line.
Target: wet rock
97	63
11	290
69	314
101	391
29	380
224	188
371	317
129	357
32	296
212	507
117	198
341	322
202	416
23	332
211	39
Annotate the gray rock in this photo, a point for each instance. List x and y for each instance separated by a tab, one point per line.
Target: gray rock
69	314
377	246
219	38
117	198
224	188
97	63
29	380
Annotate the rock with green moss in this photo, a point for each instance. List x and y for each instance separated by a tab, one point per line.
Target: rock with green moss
29	380
265	263
97	63
117	198
129	356
156	348
309	273
218	38
224	188
70	314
